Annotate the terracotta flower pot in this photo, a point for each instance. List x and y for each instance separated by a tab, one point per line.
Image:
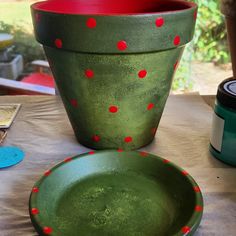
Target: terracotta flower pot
114	62
228	8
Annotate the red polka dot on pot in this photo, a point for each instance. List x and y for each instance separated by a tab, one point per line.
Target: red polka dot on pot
96	138
198	208
35	190
196	189
91	23
34	211
176	40
128	139
47	173
89	73
120	150
47	230
122	45
166	161
185	230
113	109
68	159
142	74
184	172
74	102
159	22
58	43
143	154
150	106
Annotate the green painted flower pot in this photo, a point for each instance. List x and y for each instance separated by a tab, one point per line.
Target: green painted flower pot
114	62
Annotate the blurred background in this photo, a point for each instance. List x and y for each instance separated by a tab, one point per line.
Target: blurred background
205	63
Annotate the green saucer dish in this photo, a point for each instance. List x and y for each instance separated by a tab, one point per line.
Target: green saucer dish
116	193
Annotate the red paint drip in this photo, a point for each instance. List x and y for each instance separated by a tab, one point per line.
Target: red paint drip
58	43
122	45
185	230
142	74
150	106
128	139
34	211
159	22
47	230
91	23
177	40
176	65
89	73
113	109
96	138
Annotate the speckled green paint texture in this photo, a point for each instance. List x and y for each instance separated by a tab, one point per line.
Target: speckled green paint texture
116	193
115	83
114	73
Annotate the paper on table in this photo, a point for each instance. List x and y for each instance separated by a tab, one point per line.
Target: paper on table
48	138
7	114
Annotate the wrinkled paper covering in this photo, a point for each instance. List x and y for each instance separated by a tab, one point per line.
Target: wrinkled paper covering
42	130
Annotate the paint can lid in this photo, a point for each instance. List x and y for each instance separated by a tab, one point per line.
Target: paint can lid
226	94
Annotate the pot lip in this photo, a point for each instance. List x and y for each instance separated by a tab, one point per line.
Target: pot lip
41	6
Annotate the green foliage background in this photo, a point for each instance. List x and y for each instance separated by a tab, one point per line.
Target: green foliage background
209	43
24	42
15	18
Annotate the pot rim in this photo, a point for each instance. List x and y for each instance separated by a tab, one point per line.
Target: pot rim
113	9
116	34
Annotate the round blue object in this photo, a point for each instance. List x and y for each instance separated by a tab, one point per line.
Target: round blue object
10	156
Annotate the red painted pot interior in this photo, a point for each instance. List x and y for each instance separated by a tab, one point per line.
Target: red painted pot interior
112	7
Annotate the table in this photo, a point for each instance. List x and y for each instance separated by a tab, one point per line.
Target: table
43	131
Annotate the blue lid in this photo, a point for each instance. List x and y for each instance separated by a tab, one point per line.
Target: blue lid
10	156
